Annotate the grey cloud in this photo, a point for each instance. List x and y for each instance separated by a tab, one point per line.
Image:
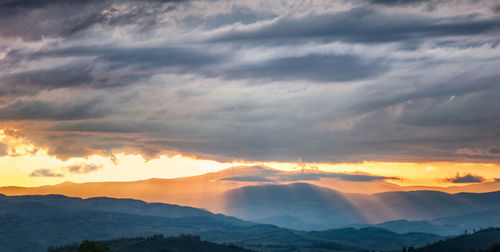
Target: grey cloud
118	66
82	168
33	20
466	178
32	109
154	57
494	151
342	176
45	173
151	60
3	149
238	14
31	81
306	176
197	98
362	25
248	179
399	2
322	68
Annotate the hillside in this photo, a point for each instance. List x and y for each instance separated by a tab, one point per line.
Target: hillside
262	194
322	208
487	240
33	223
156	243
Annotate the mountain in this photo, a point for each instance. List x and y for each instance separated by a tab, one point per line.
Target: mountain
487	240
319	208
405	226
33	223
203	191
265	195
298	205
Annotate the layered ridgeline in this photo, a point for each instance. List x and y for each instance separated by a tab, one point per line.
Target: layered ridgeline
307	200
320	208
34	223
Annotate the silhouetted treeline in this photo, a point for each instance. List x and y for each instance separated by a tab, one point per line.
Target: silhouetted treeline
484	240
183	242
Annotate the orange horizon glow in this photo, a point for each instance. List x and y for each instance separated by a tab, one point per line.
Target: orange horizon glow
22	158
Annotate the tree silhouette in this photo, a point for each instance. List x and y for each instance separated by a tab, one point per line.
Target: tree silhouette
90	246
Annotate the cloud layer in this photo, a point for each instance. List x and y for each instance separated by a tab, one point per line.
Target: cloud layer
466	178
261	81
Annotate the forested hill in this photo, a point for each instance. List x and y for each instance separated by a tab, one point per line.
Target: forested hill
156	243
487	240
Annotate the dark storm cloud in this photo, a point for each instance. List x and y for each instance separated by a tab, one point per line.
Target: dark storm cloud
494	151
33	20
321	68
466	178
362	25
32	81
31	109
158	57
140	63
45	173
140	77
152	60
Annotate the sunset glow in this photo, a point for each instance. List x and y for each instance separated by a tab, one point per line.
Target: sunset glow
25	164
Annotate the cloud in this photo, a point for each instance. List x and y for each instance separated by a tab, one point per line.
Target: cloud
362	25
248	179
321	68
399	2
305	176
466	178
32	109
83	168
260	81
3	149
494	151
35	20
45	173
65	76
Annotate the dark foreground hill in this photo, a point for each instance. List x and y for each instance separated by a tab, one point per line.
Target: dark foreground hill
33	223
487	240
156	243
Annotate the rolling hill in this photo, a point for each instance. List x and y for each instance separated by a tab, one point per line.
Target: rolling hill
33	223
264	195
320	208
487	240
156	243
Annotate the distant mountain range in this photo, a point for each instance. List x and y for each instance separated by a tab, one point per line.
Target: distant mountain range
305	200
33	223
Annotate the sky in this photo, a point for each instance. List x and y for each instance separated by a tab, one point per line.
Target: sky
127	90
